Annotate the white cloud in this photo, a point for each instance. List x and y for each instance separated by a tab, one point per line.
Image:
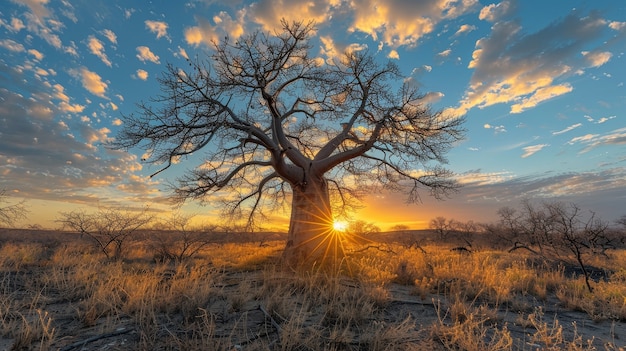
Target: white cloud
91	81
597	59
12	45
183	53
465	28
477	178
605	119
511	66
268	13
223	25
399	22
144	54
583	138
495	12
97	48
617	25
109	34
141	74
158	27
531	150
75	108
15	26
615	137
539	95
497	129
334	51
393	54
36	53
445	53
570	128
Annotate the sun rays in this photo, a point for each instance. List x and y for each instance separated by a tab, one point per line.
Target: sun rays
340	226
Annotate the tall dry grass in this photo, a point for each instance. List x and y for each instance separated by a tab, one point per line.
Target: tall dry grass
234	296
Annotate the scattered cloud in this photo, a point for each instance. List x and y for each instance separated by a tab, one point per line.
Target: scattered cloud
589	188
48	156
141	74
598	58
91	81
207	33
432	97
605	119
477	178
129	12
144	54
531	150
97	48
599	121
445	53
36	54
334	51
268	13
497	129
495	12
41	22
592	141
109	34
464	28
158	27
617	25
512	66
540	95
12	45
399	23
570	128
15	26
183	53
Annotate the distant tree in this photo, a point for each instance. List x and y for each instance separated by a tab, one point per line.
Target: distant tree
556	229
276	125
177	239
406	238
10	214
362	228
443	227
110	229
400	228
621	221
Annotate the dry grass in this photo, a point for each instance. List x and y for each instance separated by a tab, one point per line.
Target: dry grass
232	296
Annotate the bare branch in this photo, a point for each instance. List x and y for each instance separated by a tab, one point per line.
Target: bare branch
10	214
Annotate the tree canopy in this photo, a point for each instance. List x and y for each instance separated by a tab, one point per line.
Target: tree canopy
276	124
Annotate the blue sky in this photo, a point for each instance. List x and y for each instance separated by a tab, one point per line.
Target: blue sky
541	84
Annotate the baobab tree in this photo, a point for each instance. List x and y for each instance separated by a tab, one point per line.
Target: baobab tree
277	124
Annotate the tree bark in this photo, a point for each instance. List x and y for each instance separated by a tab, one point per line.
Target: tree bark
311	240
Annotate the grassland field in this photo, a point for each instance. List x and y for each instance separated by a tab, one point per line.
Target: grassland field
59	292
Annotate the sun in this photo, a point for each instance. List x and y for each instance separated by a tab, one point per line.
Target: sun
340	226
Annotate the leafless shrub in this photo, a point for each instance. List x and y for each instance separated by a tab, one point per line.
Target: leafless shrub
462	233
555	230
178	240
109	228
10	214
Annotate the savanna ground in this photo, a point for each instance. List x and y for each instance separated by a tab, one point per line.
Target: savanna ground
58	292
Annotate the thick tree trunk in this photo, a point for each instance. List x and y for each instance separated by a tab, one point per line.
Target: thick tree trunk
311	240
